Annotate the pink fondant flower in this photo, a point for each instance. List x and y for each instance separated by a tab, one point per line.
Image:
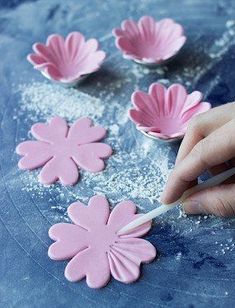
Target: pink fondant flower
61	150
165	113
67	60
149	41
94	247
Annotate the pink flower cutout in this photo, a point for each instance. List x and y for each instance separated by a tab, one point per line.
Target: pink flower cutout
149	41
94	247
165	112
67	59
61	150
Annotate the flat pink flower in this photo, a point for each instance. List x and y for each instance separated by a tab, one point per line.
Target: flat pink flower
95	249
149	41
61	150
67	59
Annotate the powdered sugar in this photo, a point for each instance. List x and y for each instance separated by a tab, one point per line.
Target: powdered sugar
46	100
133	172
139	167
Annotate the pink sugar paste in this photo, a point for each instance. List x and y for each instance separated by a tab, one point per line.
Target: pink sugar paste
149	40
95	249
67	59
62	150
165	112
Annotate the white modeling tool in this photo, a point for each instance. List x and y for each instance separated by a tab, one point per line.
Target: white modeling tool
214	181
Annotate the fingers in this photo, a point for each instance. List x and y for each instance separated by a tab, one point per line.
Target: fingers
213	150
221	168
202	125
219	201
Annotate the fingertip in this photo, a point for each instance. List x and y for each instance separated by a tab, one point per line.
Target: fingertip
171	192
167	198
178	159
164	198
192	207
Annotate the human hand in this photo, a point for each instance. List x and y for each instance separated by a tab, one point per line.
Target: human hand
209	144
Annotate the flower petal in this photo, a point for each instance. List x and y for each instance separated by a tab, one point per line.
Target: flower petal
173	48
88	60
91	45
59	168
139	231
118	32
117	220
43	51
122	268
192	100
147	27
36	59
35	153
89	156
81	132
168	32
158	92
90	264
124	44
140	118
56	129
173	33
51	71
129	28
56	45
70	239
175	99
136	249
74	42
86	216
199	108
91	62
163	27
142	101
88	48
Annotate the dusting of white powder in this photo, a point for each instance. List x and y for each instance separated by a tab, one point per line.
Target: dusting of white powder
43	99
128	174
221	45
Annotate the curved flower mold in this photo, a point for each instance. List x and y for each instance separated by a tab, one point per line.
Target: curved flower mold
67	60
149	41
165	113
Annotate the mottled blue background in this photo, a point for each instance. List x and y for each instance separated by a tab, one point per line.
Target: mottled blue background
196	265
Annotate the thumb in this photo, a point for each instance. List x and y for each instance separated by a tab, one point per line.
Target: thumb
219	201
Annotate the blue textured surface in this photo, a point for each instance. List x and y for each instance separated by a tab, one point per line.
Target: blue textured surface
196	265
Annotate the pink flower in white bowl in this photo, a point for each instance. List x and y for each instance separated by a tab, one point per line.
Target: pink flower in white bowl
94	249
67	60
149	41
165	113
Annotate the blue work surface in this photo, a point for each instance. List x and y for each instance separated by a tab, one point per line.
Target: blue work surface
195	265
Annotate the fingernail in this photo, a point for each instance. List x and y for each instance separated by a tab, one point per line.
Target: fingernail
192	207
